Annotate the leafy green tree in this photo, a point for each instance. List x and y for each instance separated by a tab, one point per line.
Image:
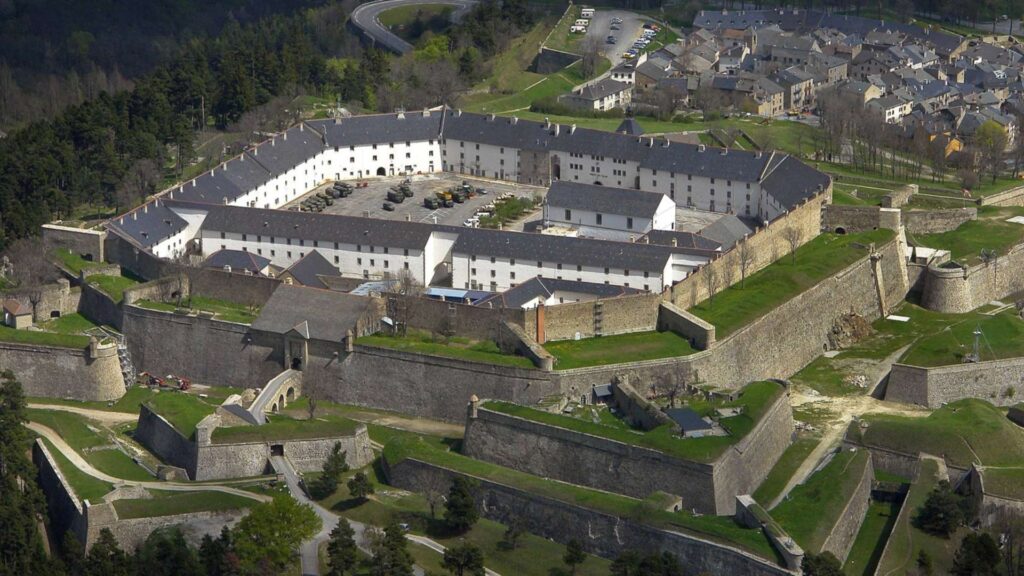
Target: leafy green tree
272	532
217	555
824	564
942	512
460	509
990	138
165	553
627	563
631	563
390	553
978	555
342	553
359	486
513	532
334	466
924	563
464	559
21	503
574	555
106	558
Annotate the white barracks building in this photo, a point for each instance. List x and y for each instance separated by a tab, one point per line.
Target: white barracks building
234	206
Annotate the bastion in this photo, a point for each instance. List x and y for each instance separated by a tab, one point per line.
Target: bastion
90	373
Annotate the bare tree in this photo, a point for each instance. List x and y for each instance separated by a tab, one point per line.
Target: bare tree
316	383
745	257
31	270
711	283
728	273
793	237
402	298
672	386
591	56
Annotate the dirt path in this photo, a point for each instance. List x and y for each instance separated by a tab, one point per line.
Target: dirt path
843	409
409	424
102	416
76	459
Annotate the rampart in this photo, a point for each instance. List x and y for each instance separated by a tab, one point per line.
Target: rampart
91	373
83	241
764	246
51	300
846	219
993	509
1011	197
936	221
600	533
998	381
843	533
579	458
953	289
97	306
204	460
86	519
898	463
634	313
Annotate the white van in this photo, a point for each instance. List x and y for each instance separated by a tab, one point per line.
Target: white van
577	29
583	22
587	13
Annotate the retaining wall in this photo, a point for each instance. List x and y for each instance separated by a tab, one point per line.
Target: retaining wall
90	373
844	219
599	533
97	306
579	458
700	333
634	313
959	290
936	221
840	539
1000	382
81	241
52	300
1011	197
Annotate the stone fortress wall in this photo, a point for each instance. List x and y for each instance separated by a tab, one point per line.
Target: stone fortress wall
844	532
580	458
599	533
952	289
92	373
86	519
998	381
205	460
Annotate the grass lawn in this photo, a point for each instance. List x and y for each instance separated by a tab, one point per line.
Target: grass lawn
811	509
870	543
69	324
73	261
1006	482
166	503
8	334
128	403
967	431
91	442
282	427
755	399
461	348
907	541
617	349
113	286
1002	337
784	469
182	410
86	487
561	38
718	528
990	231
222	309
735	307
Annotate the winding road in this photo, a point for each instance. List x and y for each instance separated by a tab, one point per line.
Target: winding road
366	17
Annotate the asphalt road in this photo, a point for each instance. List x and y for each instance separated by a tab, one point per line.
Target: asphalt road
630	30
366	18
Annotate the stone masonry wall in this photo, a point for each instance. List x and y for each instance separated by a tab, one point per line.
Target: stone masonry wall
699	332
846	219
469	321
579	458
99	307
71	373
240	460
599	533
1000	382
65	510
55	299
636	313
1011	197
765	245
79	240
936	221
130	533
959	290
162	439
207	351
844	532
429	386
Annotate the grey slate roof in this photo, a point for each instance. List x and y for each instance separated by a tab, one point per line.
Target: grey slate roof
308	269
562	249
727	230
289	149
604	199
687	419
148	224
543	287
320	227
683	240
791	181
380	128
630	127
238	260
318	314
601	89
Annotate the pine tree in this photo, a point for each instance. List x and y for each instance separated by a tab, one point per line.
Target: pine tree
106	558
359	486
574	555
460	509
464	559
342	553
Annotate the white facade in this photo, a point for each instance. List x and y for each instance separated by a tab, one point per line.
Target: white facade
497	274
663	218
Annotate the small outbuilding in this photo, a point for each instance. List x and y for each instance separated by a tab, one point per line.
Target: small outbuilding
691	423
17	314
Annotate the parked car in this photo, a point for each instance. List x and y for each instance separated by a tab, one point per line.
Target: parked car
616	20
615	27
611	40
471	222
482	191
388	206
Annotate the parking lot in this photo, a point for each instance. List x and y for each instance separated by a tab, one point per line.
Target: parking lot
628	30
369	201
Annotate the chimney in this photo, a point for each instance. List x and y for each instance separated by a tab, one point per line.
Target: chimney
725	151
225	199
408	217
286	135
301	126
701	147
555	131
632	238
337	121
400	116
426	113
145	208
572	129
135	215
547	123
514	120
675	243
273	142
458	112
490	117
650	142
665	144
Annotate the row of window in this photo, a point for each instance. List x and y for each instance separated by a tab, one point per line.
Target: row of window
579	267
316	244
